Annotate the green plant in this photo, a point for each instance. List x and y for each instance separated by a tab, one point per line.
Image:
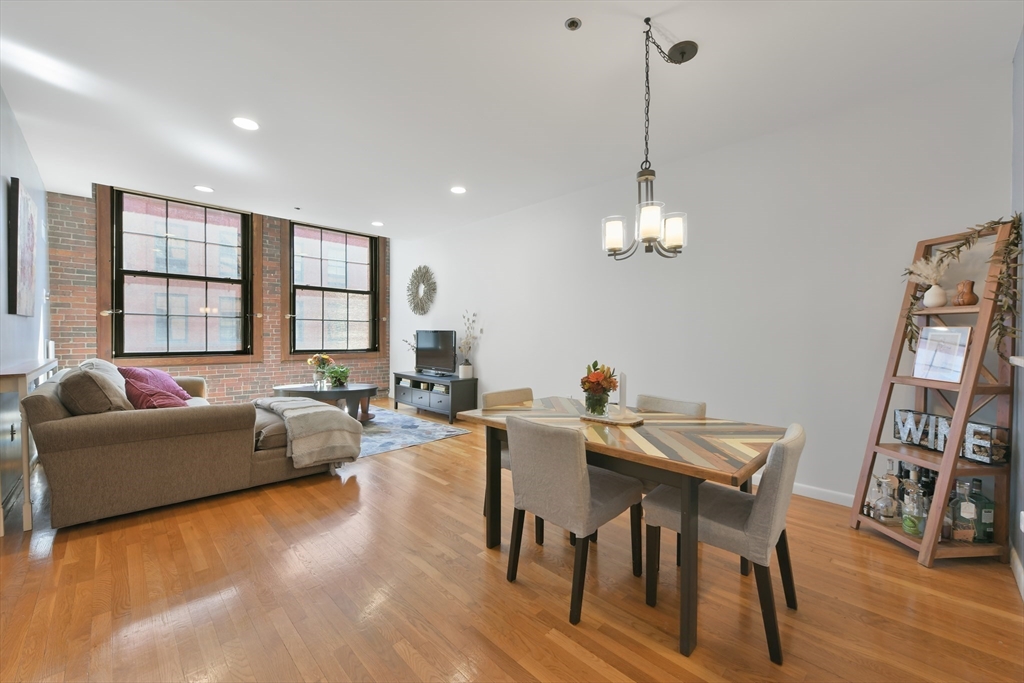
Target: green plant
1006	295
338	374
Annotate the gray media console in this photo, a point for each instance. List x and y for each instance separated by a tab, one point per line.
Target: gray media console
459	394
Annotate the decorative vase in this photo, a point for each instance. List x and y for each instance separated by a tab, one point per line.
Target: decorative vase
597	404
965	295
935	297
466	370
318	380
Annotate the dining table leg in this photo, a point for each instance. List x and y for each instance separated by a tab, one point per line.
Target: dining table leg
493	483
689	500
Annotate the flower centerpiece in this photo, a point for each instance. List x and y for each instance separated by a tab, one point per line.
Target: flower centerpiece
597	383
320	363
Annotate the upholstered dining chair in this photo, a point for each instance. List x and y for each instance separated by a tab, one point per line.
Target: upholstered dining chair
507	397
656	404
739	522
551	479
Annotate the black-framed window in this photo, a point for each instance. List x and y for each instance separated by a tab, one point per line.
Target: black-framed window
333	290
182	278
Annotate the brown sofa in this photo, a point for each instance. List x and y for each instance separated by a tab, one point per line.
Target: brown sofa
113	463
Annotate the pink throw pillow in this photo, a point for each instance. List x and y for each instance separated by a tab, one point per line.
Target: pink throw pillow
155	378
144	396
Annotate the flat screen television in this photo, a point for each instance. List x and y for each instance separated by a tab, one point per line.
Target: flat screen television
435	351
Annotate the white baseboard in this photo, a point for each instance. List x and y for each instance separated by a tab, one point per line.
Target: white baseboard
1018	571
837	497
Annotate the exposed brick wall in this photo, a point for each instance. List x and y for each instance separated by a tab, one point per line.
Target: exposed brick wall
72	224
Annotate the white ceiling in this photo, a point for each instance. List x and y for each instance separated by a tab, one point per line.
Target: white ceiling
373	110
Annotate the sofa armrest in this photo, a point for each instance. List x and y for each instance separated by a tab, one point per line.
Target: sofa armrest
141	426
195	386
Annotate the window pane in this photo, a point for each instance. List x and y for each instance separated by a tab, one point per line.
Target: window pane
308	305
358	276
307	242
185	297
145	295
185	221
145	334
308	335
358	306
223	227
358	249
184	257
359	335
224	334
335	335
334	274
144	215
186	334
144	252
224	300
307	271
333	245
335	306
223	261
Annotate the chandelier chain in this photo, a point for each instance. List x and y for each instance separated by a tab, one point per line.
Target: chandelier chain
649	38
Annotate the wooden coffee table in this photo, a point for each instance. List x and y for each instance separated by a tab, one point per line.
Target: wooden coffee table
355	396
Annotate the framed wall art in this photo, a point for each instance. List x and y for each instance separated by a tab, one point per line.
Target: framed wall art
22	219
941	352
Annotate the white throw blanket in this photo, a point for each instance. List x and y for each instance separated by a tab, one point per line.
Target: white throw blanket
318	433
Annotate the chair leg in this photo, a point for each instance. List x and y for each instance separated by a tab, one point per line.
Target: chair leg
635	515
679	550
744	562
518	517
593	536
487	498
538	529
572	538
579	575
653	563
786	569
771	625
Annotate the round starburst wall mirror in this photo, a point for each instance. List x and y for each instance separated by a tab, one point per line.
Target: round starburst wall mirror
421	290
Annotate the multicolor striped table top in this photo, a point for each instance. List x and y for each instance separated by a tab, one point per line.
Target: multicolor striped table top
722	451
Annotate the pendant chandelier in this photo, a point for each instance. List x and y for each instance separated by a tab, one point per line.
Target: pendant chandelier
661	233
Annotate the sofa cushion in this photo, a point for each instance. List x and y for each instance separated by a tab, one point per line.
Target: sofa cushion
270	430
87	392
105	368
145	396
155	378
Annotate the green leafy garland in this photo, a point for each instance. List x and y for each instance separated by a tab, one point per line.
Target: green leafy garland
1007	294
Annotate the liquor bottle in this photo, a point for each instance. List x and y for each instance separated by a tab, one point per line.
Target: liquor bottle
963	513
887	509
984	523
913	508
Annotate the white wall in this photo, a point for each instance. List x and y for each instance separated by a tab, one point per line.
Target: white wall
783	307
21	337
1017	191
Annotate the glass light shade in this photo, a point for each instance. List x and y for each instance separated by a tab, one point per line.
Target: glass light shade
613	233
648	221
673	234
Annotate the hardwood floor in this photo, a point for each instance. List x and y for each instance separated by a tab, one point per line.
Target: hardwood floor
382	574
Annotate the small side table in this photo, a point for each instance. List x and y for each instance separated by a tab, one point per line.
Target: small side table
18	378
356	396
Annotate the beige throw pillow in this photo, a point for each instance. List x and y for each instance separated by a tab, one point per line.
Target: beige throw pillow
87	392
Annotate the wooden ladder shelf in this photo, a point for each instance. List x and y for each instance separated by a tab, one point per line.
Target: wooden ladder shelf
976	380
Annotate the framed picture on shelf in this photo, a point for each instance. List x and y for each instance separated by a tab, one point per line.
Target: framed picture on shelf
941	352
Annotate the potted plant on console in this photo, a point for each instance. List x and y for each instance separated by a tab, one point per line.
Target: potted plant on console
466	345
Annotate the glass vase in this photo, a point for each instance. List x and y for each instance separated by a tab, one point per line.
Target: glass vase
319	380
597	404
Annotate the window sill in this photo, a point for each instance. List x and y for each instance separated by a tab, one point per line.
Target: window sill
167	361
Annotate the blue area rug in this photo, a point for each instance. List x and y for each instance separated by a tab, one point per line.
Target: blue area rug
391	431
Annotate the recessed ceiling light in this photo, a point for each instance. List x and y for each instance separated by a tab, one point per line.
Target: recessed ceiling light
247	124
298	208
458	190
204	188
377	224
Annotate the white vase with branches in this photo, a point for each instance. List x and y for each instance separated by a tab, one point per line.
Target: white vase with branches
469	339
926	271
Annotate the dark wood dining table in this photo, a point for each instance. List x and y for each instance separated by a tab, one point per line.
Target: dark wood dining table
668	448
